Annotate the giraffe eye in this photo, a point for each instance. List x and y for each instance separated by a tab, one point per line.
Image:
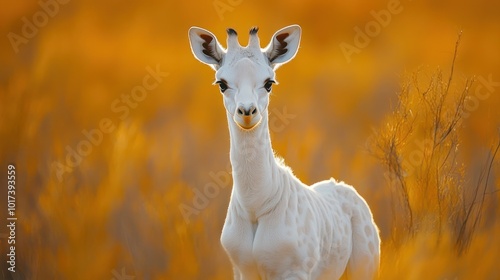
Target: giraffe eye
268	84
222	85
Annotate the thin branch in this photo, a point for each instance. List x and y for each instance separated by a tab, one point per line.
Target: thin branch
490	165
457	115
457	43
462	241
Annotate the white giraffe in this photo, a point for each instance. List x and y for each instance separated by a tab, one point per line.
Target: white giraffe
276	226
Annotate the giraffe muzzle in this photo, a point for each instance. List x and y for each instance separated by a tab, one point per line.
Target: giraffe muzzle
247	117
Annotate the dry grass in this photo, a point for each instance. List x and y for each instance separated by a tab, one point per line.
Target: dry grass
117	210
439	210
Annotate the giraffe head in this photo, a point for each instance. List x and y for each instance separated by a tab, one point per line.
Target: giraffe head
245	75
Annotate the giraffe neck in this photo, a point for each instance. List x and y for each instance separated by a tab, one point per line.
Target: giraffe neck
253	164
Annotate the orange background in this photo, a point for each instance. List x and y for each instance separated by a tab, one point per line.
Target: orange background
117	211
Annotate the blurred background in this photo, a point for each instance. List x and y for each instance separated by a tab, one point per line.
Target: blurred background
121	145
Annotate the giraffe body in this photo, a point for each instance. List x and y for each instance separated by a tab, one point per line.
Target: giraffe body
277	227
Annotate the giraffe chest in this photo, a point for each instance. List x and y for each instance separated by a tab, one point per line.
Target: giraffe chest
271	242
237	239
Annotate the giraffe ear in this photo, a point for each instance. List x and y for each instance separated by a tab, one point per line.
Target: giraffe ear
205	47
283	46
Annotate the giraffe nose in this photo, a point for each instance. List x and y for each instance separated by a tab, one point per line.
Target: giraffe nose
247	115
246	110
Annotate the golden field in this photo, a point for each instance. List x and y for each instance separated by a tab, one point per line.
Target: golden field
115	130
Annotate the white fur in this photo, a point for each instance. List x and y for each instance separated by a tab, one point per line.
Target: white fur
276	226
